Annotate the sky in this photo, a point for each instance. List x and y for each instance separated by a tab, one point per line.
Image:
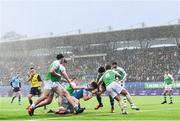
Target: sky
38	17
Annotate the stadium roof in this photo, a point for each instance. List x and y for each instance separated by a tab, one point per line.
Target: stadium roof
148	33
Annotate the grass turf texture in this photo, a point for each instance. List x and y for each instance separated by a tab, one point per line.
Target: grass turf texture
150	106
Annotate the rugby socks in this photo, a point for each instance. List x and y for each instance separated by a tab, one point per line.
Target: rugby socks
124	101
33	106
99	99
132	104
76	107
111	102
170	95
79	106
164	97
19	99
30	101
13	99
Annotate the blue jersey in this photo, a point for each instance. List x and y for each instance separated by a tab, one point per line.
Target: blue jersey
15	82
78	94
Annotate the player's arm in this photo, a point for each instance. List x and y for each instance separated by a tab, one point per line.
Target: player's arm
87	95
99	90
97	78
76	87
118	76
172	78
39	79
125	75
29	78
65	76
11	84
53	72
19	84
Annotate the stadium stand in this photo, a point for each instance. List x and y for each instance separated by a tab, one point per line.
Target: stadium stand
143	52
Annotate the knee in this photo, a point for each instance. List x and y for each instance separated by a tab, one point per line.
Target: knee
29	97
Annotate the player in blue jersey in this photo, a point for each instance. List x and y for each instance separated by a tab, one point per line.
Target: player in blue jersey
15	83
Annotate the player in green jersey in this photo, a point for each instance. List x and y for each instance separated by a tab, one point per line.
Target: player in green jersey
51	83
168	81
123	75
113	87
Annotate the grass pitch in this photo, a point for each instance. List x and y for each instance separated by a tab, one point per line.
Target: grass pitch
150	110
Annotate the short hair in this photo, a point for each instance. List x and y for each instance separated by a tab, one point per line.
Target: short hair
65	61
59	56
94	84
108	66
74	78
114	63
32	68
101	69
167	70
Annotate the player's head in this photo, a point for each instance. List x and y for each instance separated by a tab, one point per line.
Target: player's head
101	69
167	71
114	64
108	67
63	61
75	79
32	70
59	56
17	74
92	86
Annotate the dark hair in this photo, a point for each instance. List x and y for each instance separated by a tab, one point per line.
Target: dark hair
59	56
94	84
74	78
65	61
167	70
32	68
108	66
114	63
101	69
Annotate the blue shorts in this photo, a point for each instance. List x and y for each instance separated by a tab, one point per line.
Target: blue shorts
78	94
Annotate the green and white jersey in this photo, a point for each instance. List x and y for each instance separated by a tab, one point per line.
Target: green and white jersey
168	79
109	76
58	69
122	73
69	88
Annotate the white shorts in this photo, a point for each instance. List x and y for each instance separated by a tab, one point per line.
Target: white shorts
114	89
51	85
168	87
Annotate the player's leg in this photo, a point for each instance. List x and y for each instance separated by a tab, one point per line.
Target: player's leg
171	96
129	98
13	97
118	99
102	88
124	97
32	107
38	92
114	89
45	94
45	102
19	97
99	99
62	92
164	93
30	99
111	103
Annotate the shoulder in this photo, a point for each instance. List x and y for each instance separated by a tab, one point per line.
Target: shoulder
62	67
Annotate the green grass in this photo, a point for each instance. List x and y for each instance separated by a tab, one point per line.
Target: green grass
150	106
